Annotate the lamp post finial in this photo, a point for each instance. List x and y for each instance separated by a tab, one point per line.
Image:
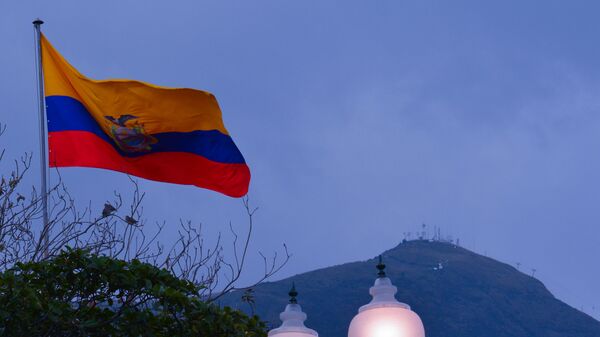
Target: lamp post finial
381	268
293	293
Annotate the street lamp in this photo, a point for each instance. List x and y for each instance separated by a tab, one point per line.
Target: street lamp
293	320
384	316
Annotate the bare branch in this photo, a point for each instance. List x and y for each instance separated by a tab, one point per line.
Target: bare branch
119	230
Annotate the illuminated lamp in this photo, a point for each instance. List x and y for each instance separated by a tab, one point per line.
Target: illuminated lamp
384	316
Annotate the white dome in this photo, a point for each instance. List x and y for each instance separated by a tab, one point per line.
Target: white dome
386	322
384	316
293	321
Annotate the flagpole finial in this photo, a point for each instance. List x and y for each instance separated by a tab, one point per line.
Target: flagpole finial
38	22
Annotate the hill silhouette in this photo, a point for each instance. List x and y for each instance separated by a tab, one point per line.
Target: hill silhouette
455	291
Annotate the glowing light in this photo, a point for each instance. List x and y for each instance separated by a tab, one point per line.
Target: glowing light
386	322
386	329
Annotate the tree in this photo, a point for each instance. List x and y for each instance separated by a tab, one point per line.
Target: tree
80	294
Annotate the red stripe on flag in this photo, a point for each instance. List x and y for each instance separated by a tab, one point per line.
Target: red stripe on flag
81	148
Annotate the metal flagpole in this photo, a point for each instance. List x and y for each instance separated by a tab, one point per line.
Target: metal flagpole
43	161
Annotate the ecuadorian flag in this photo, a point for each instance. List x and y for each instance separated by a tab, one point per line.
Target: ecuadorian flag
164	134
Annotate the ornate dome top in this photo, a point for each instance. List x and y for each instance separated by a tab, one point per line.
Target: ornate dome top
292	319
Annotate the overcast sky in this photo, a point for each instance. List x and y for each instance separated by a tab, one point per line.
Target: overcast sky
360	120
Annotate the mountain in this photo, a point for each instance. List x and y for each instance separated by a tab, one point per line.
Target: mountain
456	292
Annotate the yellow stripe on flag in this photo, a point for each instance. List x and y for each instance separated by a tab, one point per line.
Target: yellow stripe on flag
159	109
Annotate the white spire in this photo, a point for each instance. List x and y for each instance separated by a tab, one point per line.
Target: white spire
292	319
383	292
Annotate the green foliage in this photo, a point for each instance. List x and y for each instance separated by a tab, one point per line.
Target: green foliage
80	294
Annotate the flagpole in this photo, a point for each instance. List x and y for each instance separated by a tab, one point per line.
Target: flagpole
43	161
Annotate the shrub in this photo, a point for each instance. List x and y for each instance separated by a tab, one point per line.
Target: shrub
77	293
